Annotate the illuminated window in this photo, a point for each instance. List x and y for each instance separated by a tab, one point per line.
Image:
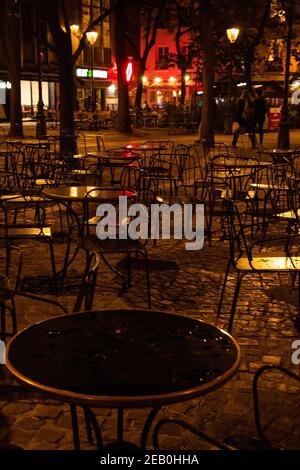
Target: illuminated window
276	11
162	58
274	62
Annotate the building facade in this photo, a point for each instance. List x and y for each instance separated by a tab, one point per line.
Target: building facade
96	59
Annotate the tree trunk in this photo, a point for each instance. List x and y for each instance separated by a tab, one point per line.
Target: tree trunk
123	120
63	48
16	125
67	93
183	87
248	71
208	102
10	31
140	86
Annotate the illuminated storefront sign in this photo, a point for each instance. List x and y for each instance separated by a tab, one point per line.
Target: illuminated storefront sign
87	73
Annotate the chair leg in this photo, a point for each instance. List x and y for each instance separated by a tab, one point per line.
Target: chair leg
13	316
298	292
129	270
3	321
88	426
53	264
82	291
223	288
65	264
148	280
75	429
234	302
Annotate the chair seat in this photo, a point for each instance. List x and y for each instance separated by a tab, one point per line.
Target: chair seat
291	215
25	232
93	221
269	263
179	199
93	243
18	198
235	194
44	182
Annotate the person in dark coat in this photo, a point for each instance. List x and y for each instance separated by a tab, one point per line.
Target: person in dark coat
244	116
260	109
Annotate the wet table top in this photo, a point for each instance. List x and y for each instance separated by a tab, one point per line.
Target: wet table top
148	146
128	358
116	155
79	193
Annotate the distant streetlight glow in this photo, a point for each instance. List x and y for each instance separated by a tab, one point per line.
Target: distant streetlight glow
112	89
92	37
232	34
74	28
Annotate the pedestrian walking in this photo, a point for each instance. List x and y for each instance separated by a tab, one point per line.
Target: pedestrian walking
244	119
260	109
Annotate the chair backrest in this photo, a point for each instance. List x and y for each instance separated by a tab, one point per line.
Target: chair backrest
35	157
276	404
236	229
86	293
157	148
81	143
134	178
270	184
100	143
190	167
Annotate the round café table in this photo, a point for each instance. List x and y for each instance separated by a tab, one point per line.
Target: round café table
279	155
115	159
67	195
81	193
122	359
125	156
146	147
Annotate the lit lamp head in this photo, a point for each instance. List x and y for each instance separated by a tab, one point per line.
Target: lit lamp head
92	37
74	29
232	34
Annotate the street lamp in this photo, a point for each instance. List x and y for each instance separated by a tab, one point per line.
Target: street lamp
92	38
40	117
284	125
74	29
232	34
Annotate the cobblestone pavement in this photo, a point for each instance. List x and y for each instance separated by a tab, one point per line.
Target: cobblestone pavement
189	283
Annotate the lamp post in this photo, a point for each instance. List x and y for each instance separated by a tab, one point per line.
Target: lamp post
232	34
284	127
92	38
40	117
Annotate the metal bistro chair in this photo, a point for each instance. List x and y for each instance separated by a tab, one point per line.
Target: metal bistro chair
245	260
6	283
266	442
10	289
270	400
273	402
84	300
86	239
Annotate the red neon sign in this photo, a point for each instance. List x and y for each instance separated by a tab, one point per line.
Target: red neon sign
129	72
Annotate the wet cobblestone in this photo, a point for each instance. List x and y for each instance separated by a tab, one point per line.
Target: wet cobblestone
188	283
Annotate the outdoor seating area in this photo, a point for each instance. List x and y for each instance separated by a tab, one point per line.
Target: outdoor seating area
133	340
149	233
